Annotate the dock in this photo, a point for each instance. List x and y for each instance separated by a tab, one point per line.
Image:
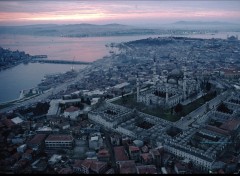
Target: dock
61	61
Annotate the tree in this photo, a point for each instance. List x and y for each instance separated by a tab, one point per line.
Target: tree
41	108
178	108
223	108
208	86
88	102
80	105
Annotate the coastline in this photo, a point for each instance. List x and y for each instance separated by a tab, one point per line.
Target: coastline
27	76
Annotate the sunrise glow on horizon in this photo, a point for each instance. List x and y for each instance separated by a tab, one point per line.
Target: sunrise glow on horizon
125	12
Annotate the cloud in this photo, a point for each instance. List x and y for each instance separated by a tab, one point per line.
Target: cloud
114	11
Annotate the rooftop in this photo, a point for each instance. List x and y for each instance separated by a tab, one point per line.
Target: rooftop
98	165
103	153
133	148
17	120
72	109
9	123
120	153
38	138
87	163
59	138
127	167
146	169
77	163
231	125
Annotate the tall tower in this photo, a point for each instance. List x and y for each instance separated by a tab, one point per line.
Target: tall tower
155	77
166	86
138	89
184	83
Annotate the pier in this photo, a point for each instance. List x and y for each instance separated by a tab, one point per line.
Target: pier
61	62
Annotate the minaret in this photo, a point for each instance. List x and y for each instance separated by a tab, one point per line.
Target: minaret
197	86
166	93
184	83
72	68
138	89
155	77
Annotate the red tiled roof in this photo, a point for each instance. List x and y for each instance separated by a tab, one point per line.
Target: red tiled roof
65	171
96	166
110	171
87	163
133	148
78	163
71	109
16	156
8	122
147	169
221	171
230	125
146	156
155	152
120	154
38	138
145	148
29	151
216	129
63	137
103	153
127	167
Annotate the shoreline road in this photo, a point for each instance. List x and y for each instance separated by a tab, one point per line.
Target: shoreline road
45	95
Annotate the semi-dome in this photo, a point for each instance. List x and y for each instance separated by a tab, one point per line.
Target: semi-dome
172	81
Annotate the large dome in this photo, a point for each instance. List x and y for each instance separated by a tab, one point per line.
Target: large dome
175	72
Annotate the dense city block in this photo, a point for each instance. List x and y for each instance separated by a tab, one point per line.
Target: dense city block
166	105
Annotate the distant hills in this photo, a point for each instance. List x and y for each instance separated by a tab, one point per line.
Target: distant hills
114	29
75	30
203	23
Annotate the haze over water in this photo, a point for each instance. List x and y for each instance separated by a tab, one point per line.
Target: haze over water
79	49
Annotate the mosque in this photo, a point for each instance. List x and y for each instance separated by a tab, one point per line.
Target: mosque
170	89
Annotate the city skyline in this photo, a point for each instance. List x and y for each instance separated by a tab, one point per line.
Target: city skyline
132	12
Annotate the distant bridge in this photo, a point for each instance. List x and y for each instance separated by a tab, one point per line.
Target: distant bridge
61	62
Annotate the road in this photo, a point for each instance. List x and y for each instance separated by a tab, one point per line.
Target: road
183	124
45	95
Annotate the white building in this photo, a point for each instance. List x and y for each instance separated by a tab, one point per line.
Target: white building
17	120
72	112
95	141
22	148
54	108
59	141
54	159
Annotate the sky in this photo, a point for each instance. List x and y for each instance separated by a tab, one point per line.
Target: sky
129	12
